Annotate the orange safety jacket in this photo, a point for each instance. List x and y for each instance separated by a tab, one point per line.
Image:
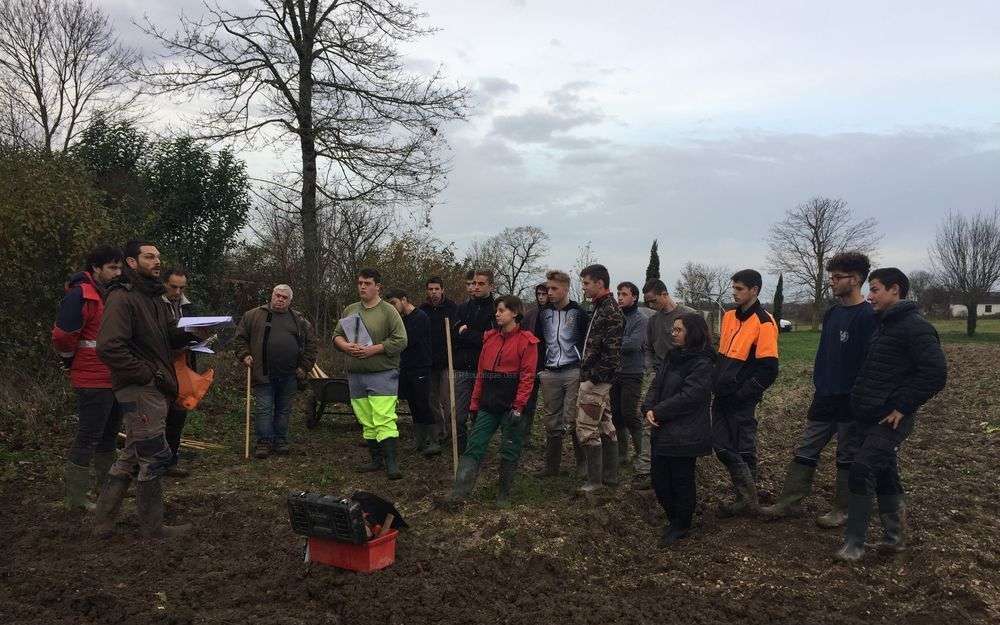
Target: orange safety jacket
749	349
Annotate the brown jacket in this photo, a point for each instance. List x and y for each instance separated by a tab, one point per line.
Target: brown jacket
138	334
249	341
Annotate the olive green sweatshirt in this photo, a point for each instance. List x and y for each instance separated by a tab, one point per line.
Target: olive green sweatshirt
385	326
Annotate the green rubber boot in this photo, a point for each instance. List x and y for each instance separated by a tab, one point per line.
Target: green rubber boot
77	481
798	485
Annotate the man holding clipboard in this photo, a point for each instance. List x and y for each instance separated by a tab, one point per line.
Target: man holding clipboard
372	335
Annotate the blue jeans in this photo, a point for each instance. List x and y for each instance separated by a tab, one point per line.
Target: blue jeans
271	408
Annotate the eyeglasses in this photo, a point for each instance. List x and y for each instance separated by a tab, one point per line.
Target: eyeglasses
837	277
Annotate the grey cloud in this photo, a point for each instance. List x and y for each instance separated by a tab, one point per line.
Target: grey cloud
567	109
713	201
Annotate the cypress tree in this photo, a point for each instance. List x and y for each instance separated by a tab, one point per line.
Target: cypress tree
653	269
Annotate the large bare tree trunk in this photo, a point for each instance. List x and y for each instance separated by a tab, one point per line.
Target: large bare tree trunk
972	318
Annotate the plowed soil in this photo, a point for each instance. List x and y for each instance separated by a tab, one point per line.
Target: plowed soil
549	559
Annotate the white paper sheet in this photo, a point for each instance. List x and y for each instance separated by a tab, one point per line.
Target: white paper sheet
355	330
203	322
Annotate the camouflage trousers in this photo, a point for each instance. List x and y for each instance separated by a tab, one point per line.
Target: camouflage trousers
146	455
593	414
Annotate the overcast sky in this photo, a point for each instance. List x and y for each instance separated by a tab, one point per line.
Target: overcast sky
700	122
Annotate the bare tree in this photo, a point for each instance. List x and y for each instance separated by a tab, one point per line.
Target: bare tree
966	255
585	257
325	76
922	282
60	63
514	255
809	235
701	286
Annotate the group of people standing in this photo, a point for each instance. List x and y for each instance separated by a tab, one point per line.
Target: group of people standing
585	366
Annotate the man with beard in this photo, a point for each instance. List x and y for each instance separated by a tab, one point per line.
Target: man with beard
137	338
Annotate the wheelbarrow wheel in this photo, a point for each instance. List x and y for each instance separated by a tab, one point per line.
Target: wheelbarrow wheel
312	416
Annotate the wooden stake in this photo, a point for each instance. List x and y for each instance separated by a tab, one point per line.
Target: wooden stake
451	392
246	438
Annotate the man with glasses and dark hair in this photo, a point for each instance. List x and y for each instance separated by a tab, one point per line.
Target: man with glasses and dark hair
843	345
904	369
749	365
656	347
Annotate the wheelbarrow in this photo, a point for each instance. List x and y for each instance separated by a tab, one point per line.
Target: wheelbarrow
327	393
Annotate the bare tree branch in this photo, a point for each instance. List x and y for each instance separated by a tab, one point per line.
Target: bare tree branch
812	233
966	256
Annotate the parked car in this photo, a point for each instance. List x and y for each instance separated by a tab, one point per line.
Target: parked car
784	325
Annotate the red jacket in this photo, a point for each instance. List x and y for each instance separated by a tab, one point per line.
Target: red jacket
74	334
514	355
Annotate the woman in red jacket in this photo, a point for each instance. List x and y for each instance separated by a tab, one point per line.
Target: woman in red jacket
504	377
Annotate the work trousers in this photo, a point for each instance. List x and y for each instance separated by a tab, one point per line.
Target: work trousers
373	398
100	419
146	455
626	393
593	416
487	423
817	435
415	388
875	469
559	390
734	431
441	402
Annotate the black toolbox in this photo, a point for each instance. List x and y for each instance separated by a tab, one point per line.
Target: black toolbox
327	516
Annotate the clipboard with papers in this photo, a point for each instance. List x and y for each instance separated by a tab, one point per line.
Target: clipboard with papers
355	330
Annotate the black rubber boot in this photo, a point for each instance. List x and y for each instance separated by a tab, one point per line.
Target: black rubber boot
622	447
465	480
149	504
507	470
102	464
892	513
798	485
553	457
391	461
419	438
745	502
76	479
375	464
838	515
109	504
593	459
671	534
859	508
637	434
431	445
609	461
581	458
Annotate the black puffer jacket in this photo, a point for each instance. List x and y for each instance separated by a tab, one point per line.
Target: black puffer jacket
680	397
905	366
478	315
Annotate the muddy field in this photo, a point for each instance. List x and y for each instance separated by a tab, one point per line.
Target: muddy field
549	559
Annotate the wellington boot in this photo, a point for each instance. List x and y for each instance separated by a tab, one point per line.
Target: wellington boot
798	485
375	464
859	508
102	464
609	462
637	434
623	448
838	515
593	457
149	504
419	438
391	460
465	481
892	513
671	534
507	470
580	455
553	457
745	502
77	480
431	445
109	504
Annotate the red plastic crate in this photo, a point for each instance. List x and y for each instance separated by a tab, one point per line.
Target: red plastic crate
373	555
